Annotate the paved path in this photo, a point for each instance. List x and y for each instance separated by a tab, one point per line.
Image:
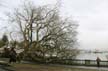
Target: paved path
2	68
71	66
84	67
88	67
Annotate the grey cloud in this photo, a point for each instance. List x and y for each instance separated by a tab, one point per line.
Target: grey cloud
92	16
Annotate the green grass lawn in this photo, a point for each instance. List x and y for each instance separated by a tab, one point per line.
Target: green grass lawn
42	67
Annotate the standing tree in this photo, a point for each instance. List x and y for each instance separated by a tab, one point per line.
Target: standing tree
5	38
4	41
46	34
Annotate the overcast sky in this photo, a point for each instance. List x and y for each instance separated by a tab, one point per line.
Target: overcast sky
91	15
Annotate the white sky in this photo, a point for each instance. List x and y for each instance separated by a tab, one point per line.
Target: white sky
91	15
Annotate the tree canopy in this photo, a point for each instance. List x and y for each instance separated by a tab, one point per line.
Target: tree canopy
45	33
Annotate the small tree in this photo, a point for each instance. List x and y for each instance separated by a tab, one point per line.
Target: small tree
4	41
5	38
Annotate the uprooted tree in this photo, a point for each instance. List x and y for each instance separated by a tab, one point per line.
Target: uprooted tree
46	35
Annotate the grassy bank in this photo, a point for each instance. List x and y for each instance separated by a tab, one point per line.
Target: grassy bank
41	67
